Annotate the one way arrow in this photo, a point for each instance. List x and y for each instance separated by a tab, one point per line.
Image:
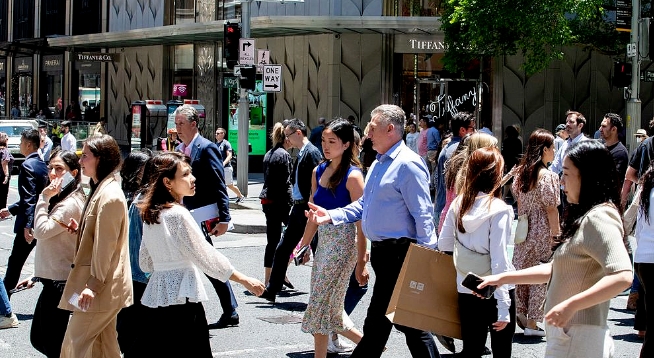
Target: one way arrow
246	44
274	85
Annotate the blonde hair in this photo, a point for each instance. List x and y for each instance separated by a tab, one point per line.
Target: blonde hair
476	141
277	134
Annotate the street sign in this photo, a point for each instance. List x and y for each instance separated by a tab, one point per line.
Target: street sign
230	82
263	58
623	15
272	78
246	51
631	50
237	71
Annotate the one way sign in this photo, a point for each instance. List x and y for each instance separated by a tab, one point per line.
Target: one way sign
272	78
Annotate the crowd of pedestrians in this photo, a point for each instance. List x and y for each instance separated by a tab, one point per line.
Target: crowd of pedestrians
119	261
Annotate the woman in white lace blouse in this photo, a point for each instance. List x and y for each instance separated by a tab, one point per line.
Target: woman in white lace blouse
174	250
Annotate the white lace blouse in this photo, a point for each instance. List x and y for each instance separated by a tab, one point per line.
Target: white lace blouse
175	251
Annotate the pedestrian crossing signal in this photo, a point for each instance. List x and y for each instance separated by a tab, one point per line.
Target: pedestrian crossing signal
231	35
621	74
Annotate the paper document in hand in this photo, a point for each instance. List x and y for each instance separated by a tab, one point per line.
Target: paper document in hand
208	216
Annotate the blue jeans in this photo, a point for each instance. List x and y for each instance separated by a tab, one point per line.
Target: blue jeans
5	307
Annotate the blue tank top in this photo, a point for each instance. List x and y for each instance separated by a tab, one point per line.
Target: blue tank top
328	198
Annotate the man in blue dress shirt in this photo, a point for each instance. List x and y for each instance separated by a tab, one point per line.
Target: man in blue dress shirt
395	211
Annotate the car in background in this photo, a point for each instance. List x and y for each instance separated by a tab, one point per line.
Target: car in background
13	128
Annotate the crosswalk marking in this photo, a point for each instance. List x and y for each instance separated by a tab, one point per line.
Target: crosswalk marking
286	348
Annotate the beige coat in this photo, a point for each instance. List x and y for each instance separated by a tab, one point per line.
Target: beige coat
102	257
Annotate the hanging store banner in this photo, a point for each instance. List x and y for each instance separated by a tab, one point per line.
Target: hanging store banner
22	64
52	63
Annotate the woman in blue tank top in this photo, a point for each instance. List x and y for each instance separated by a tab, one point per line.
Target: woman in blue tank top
336	182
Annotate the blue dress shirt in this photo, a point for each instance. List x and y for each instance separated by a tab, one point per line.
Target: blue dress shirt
433	138
395	201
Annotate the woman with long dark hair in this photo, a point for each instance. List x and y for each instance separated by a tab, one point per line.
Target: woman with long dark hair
477	228
132	320
537	191
590	264
644	261
275	195
59	202
336	182
100	282
174	250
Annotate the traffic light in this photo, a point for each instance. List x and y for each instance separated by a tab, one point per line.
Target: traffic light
248	77
621	74
232	33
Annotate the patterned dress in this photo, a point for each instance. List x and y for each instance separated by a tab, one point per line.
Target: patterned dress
334	261
537	246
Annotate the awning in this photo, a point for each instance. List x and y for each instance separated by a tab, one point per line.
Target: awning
265	26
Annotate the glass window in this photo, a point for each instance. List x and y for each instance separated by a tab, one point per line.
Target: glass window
183	68
417	7
229	9
184	11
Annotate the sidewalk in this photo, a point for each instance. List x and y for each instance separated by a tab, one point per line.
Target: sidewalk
247	216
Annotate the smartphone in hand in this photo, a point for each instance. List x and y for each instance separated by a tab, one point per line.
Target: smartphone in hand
471	281
67	180
300	255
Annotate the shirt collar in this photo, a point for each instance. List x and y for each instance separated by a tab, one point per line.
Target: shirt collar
190	145
392	152
303	148
577	138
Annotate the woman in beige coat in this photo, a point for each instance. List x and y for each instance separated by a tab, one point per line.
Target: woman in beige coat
99	284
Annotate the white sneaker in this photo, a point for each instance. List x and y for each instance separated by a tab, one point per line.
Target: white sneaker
8	322
338	346
534	332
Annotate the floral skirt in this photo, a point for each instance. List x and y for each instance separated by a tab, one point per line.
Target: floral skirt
334	261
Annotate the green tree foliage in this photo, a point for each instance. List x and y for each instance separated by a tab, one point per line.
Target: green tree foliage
537	29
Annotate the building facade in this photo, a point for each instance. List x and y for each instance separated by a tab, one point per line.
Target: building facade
338	57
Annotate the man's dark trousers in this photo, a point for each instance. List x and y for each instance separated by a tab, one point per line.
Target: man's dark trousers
292	236
386	261
19	253
224	292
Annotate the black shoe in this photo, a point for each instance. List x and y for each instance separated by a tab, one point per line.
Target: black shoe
269	295
288	284
225	321
447	342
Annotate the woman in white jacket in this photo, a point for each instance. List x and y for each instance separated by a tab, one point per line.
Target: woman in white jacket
477	228
174	250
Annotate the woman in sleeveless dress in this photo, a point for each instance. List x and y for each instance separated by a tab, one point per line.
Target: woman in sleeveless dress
537	191
336	182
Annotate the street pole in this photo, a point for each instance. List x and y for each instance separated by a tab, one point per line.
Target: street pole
634	104
243	114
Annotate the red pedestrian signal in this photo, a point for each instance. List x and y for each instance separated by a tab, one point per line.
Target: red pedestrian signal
621	74
231	36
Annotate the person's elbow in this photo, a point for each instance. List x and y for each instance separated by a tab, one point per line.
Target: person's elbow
624	279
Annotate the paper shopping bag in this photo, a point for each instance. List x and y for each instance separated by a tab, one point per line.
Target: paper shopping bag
425	295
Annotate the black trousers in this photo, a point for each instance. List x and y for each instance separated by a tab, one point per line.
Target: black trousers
224	292
175	331
477	317
4	191
645	273
276	215
292	236
49	322
387	262
19	253
132	321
